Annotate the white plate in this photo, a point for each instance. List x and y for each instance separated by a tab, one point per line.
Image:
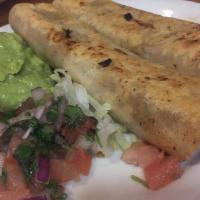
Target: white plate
110	178
180	9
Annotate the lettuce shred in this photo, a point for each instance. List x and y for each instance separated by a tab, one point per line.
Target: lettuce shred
112	135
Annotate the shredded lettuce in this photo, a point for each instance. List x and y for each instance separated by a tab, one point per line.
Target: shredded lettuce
121	140
112	135
64	86
100	111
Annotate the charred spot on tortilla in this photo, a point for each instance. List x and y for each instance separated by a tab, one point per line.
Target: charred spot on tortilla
162	78
128	16
105	63
67	33
147	77
61	75
82	3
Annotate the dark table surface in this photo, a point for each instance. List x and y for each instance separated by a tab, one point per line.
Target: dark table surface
5	7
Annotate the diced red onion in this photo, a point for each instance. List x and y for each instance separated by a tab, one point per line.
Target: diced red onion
37	198
27	133
3	128
22	116
39	112
43	169
38	94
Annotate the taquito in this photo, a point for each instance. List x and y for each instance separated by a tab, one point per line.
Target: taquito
161	106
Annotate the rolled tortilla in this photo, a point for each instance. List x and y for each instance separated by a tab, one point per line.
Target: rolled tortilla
171	42
159	105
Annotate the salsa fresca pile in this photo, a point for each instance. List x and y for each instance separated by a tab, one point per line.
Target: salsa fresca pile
39	132
50	128
39	149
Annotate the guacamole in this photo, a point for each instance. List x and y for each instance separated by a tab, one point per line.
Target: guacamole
11	54
20	71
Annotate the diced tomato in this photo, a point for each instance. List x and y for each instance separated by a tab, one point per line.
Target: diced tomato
18	194
89	125
82	160
62	170
14	143
160	173
76	163
15	177
71	134
142	154
15	187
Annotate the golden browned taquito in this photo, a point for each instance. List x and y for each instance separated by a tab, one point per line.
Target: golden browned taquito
158	105
171	42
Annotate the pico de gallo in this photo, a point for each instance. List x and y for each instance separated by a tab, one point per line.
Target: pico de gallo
40	150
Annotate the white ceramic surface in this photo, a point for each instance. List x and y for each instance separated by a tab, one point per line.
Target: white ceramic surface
6	28
110	178
180	9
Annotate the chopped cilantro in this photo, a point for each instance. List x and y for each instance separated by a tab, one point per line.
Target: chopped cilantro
44	133
24	124
53	111
27	123
4	176
139	180
56	191
28	114
74	116
93	137
4	117
60	146
25	155
42	149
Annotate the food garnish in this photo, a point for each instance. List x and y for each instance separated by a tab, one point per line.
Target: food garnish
56	191
44	143
74	116
4	176
139	180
